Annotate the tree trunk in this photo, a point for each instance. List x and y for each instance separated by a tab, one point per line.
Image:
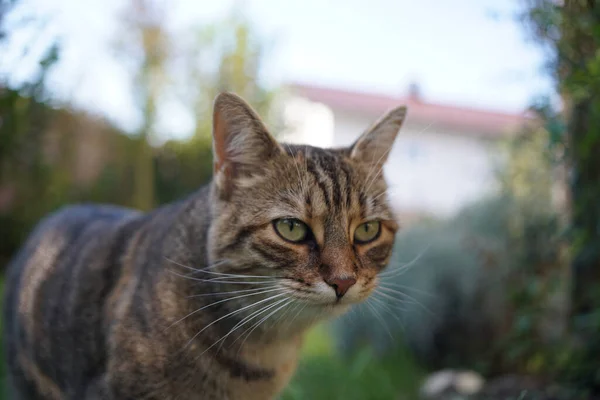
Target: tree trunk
143	180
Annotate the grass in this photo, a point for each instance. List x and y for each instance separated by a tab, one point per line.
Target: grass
325	375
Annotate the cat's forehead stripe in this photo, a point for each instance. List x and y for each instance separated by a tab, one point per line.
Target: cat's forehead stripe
317	176
331	185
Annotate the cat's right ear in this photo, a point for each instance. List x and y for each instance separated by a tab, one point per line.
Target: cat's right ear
241	142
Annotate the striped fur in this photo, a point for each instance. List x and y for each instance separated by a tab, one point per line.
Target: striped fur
200	299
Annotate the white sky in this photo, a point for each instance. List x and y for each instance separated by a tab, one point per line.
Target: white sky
468	52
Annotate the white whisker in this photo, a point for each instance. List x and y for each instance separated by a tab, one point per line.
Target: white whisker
379	318
232	292
260	322
390	310
379	195
301	306
218	280
402	269
405	287
245	320
223	301
218	273
232	313
389	297
410	298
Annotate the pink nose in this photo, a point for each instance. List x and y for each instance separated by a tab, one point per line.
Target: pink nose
341	285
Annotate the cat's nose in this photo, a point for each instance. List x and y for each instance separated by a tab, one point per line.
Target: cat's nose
341	285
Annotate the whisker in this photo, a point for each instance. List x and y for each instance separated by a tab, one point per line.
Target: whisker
405	287
218	273
245	320
372	181
403	268
214	265
379	318
217	280
404	297
390	310
223	301
284	313
260	322
412	299
300	309
389	297
230	314
379	195
427	127
232	292
226	280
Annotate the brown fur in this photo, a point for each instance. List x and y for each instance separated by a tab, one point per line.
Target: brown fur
200	299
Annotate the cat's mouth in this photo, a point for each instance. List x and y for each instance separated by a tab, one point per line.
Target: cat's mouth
318	294
327	299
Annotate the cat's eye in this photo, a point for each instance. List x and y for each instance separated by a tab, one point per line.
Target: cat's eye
291	229
367	232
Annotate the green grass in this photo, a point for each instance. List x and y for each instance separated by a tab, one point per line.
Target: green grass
323	374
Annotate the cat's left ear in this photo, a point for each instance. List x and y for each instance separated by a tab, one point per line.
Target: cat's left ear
241	142
375	144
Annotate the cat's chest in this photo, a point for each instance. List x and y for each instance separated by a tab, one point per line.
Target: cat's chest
279	361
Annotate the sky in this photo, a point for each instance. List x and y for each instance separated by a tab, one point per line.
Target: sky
464	52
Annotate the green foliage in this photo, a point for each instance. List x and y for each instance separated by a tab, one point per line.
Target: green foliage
477	291
41	145
323	374
484	290
24	175
184	165
570	30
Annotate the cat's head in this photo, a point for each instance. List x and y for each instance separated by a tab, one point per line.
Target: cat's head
316	221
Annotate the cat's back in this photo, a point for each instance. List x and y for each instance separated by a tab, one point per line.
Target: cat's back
57	284
62	238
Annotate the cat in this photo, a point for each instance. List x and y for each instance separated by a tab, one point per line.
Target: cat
208	297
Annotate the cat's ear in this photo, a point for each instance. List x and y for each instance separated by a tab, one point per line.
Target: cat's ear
375	144
241	142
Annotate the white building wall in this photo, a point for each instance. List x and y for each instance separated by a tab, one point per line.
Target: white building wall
430	169
308	123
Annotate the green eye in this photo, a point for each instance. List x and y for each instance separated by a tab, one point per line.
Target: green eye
291	229
367	232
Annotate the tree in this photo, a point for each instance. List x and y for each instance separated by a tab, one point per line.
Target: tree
223	56
146	36
570	30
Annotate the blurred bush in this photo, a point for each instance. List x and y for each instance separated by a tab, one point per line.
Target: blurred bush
484	290
51	154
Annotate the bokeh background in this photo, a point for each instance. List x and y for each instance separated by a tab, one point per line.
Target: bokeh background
495	178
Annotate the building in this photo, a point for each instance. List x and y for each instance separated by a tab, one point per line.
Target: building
445	157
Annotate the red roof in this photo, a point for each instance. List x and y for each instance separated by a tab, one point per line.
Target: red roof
469	120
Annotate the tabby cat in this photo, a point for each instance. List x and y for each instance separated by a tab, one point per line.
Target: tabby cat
208	297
